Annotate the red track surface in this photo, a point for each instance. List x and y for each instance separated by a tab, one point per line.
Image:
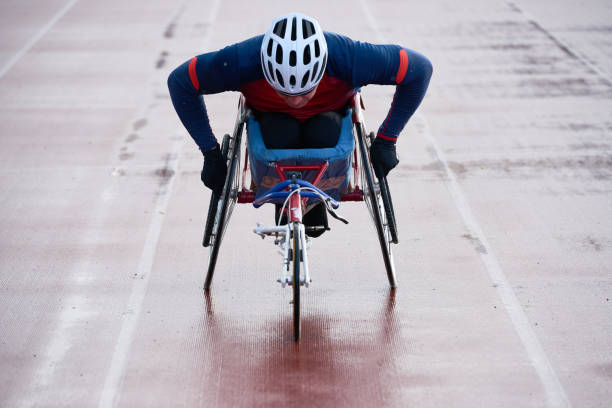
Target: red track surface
502	197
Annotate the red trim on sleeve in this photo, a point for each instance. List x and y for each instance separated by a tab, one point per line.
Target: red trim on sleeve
192	73
393	139
403	67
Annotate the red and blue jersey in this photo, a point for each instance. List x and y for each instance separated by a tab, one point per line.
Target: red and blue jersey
350	65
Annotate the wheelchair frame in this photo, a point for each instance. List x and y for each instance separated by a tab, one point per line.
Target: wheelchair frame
373	191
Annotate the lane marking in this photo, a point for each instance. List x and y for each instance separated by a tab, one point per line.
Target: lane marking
555	393
133	308
562	44
24	50
115	376
77	306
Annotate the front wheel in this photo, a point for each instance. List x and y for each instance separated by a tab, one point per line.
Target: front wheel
297	256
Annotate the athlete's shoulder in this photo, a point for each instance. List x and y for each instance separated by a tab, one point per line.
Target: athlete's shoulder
248	50
337	41
246	55
340	55
362	63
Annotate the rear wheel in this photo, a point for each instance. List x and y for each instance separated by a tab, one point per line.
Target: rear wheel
225	203
374	201
385	193
297	256
214	199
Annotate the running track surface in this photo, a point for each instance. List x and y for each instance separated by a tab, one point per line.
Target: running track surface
503	197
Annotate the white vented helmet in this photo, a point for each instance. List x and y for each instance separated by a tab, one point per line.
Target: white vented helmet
294	54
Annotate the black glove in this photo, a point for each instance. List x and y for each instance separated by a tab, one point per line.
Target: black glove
214	170
383	156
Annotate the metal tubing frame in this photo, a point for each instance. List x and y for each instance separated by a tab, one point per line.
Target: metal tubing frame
304	257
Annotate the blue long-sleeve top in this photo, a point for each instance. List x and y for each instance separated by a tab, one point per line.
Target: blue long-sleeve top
351	64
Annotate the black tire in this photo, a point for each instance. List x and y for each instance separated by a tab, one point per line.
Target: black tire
385	192
210	218
225	204
374	202
296	281
388	205
214	199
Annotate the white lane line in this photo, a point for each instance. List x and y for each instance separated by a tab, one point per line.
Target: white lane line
115	375
7	67
563	44
555	393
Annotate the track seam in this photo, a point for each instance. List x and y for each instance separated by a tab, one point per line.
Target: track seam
555	393
40	34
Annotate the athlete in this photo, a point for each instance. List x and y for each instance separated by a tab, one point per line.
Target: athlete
298	80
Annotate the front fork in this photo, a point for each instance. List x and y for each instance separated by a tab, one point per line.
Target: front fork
284	234
294	229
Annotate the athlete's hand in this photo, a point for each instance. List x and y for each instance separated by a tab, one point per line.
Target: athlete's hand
383	156
214	170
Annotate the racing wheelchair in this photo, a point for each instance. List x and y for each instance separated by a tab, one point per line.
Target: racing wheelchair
296	179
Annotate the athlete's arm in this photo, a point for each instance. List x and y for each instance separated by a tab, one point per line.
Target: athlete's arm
204	74
363	63
210	73
393	65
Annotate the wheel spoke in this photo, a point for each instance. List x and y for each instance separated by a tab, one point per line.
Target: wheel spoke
226	203
374	202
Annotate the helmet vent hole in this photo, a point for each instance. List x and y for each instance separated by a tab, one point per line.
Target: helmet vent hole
270	44
279	54
314	71
305	78
292	58
317	49
293	29
322	67
292	80
306	58
280	27
271	70
307	29
279	77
